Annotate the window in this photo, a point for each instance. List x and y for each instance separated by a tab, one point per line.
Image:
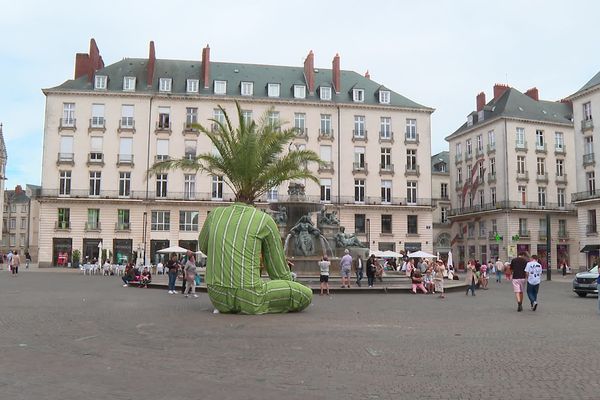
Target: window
359	126
559	141
481	198
359	158
358	95
411	160
587	111
493	166
592	226
560	197
299	91
523	227
164	84
189	186
162	149
164	117
520	137
482	229
273	194
24	208
479	140
493	196
191	116
412	225
247	88
541	166
13	223
129	83
220	87
64	184
64	216
95	149
325	153
541	196
386	191
122	220
161	221
126	150
93	219
95	178
21	239
66	149
444	190
386	223
480	170
520	164
190	149
560	167
68	119
247	116
588	145
459	150
443	215
492	139
385	131
539	139
459	174
188	221
124	184
127	116
470	120
300	123
411	129
384	96
273	90
359	190
192	85
100	82
360	223
326	190
326	125
23	223
161	185
562	227
591	182
13	208
523	194
386	159
273	118
217	187
411	192
494	225
13	239
325	92
218	115
469	147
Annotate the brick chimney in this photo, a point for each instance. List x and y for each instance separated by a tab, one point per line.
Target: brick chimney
367	75
151	64
18	189
480	101
533	93
206	67
335	73
88	64
309	72
499	90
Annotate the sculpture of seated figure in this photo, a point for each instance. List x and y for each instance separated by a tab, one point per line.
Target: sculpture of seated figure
280	216
303	232
343	239
326	218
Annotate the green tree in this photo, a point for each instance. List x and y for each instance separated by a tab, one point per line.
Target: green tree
250	156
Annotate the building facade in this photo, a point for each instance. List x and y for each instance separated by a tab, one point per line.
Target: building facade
105	128
513	165
586	105
3	161
15	221
440	189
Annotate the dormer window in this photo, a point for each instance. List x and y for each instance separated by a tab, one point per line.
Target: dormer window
220	87
192	86
325	92
384	96
164	84
358	95
470	120
273	90
129	83
100	82
247	88
299	91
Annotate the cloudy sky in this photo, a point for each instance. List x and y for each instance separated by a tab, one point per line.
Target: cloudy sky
438	53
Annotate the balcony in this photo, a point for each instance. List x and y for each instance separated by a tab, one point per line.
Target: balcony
458	185
360	168
67	124
524	234
163	127
521	146
541	148
190	128
122	226
560	151
478	152
92	226
326	166
62	225
491	177
359	135
394	201
412	170
542	178
325	134
561	179
411	138
441	225
126	124
301	133
542	234
591	229
491	148
386	169
125	159
523	176
513	205
563	234
587	195
458	158
95	158
97	124
65	159
161	157
468	156
587	125
386	137
588	159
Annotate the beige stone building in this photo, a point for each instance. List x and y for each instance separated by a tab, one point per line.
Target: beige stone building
586	103
107	126
440	196
513	165
15	221
3	161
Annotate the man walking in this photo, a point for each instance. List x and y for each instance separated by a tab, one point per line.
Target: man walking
15	261
499	268
346	268
517	265
533	269
359	270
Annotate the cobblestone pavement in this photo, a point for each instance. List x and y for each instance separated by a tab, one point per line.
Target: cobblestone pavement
68	336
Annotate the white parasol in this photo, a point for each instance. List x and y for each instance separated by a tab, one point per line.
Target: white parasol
420	254
450	264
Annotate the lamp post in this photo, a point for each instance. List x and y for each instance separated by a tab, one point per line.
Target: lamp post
548	248
369	233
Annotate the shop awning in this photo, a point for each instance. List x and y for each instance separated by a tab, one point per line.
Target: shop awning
590	247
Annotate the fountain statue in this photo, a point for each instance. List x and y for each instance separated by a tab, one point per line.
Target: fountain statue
343	239
326	218
303	232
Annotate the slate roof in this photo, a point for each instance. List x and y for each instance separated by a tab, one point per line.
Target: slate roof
234	74
514	104
590	84
3	155
442	157
12	197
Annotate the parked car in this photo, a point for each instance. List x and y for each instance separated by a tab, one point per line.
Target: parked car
585	282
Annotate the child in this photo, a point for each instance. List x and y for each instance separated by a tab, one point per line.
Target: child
324	265
484	276
428	280
145	278
417	281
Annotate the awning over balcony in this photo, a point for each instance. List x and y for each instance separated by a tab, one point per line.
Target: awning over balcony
590	247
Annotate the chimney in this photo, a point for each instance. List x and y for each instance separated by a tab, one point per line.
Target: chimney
88	64
367	75
309	72
335	72
533	93
480	101
206	66
151	63
82	63
499	90
18	189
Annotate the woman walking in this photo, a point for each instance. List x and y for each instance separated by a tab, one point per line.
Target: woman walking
371	267
470	279
190	275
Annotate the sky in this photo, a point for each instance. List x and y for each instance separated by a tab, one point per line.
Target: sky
438	53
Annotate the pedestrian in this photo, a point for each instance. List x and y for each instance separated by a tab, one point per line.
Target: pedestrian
563	267
324	265
359	270
346	268
129	275
173	267
517	266
417	282
440	271
471	278
533	270
190	275
15	261
27	259
9	257
484	276
371	261
499	269
598	288
507	271
145	278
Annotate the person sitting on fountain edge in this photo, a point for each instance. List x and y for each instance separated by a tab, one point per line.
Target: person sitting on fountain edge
234	238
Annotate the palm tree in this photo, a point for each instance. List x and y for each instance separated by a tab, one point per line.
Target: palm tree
249	157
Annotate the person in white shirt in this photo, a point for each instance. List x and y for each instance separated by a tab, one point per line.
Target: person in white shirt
533	270
324	265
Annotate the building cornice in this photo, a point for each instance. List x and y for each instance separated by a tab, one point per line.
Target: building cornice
583	93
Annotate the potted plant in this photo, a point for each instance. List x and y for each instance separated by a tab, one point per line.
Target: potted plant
76	257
